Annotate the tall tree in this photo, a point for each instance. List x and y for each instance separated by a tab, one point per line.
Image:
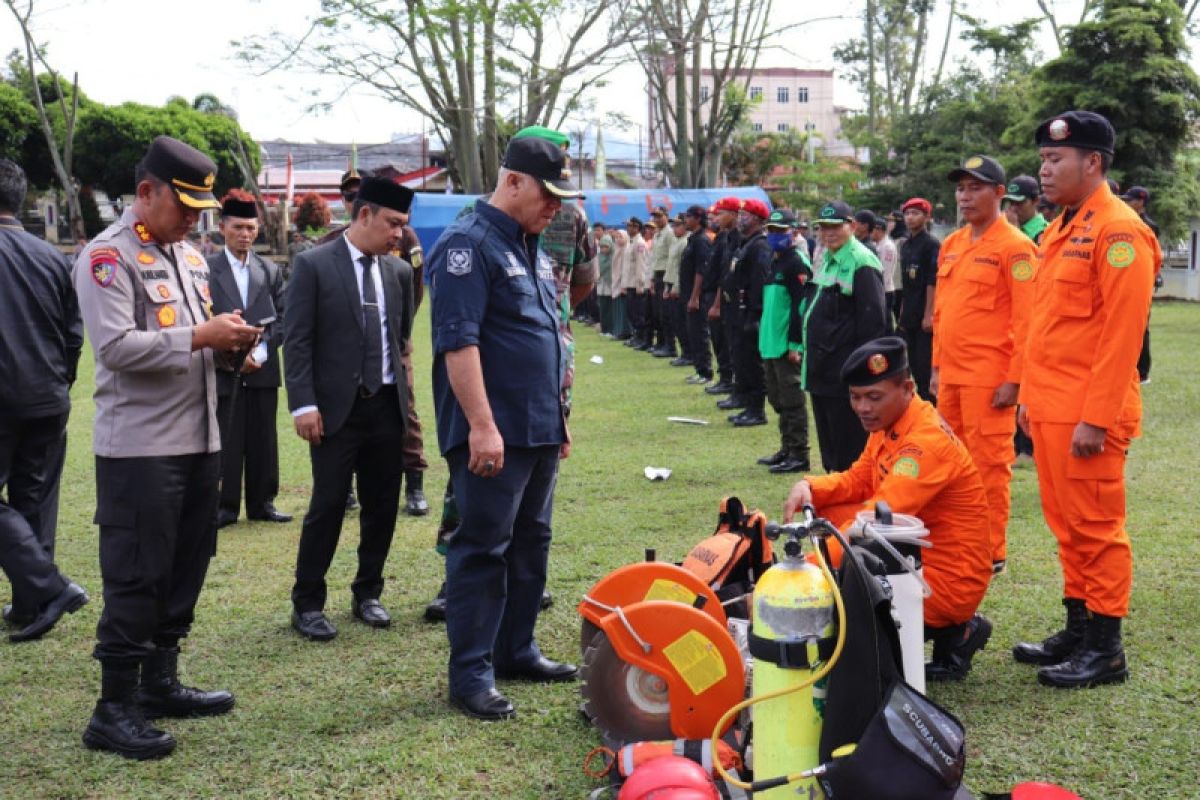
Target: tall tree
1129	63
477	68
61	150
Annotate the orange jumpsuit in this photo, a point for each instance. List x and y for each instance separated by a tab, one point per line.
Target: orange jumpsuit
980	320
1091	296
921	468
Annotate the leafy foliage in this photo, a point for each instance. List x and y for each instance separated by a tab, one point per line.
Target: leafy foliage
18	122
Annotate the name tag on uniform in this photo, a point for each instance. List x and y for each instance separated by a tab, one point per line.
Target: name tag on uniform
545	269
514	268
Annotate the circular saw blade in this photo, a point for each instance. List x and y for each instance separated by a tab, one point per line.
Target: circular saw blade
587	633
625	702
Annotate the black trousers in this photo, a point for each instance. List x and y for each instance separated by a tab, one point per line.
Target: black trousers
731	321
677	326
750	384
658	311
920	359
158	531
369	446
31	460
1143	364
720	341
839	433
249	444
635	311
697	329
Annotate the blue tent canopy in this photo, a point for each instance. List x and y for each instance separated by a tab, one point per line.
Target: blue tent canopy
431	213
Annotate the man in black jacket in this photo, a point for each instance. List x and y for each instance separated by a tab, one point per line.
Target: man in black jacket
692	270
41	335
918	261
247	399
720	327
349	315
750	270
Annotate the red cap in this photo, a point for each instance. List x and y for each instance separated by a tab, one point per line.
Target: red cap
917	202
728	204
756	207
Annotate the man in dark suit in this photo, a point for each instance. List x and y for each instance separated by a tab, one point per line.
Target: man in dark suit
41	335
248	398
349	317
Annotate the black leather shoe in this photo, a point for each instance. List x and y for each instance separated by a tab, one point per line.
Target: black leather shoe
730	403
487	705
120	728
662	352
1055	649
748	419
162	695
270	514
778	457
541	671
436	610
645	347
225	519
372	612
547	600
415	504
999	566
789	465
351	502
721	387
15	619
955	647
681	362
68	601
313	625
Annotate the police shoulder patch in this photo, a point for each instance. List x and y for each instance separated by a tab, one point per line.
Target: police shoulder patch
907	466
104	262
458	261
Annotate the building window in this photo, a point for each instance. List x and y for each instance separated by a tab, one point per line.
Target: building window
704	93
781	94
757	127
782	127
756	93
801	94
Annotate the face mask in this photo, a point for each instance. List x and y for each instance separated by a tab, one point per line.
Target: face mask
779	241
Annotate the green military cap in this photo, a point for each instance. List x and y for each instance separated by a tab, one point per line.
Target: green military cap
542	132
190	173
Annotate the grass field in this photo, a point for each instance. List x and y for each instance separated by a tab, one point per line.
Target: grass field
366	715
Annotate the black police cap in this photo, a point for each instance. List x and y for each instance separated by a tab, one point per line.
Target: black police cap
386	193
185	169
981	168
697	211
1084	130
541	159
1021	188
875	361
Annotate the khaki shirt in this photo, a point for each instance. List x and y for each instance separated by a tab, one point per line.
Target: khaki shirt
154	395
660	252
674	257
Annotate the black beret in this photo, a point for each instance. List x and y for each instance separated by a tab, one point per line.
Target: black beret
1085	130
875	361
699	212
185	169
386	193
981	168
865	215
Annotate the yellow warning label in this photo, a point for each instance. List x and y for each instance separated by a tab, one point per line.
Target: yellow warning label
697	661
663	589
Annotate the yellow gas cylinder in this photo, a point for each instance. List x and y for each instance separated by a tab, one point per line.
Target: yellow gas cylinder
792	634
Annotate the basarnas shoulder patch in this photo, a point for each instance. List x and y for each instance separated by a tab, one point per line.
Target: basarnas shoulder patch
458	261
908	467
1022	269
1120	253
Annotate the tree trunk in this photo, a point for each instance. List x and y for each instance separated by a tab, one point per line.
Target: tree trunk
872	111
491	136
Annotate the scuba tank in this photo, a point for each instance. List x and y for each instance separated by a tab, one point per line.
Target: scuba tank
792	634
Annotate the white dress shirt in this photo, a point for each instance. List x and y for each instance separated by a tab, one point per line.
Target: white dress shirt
241	276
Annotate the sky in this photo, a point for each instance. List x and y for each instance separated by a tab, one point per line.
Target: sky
148	50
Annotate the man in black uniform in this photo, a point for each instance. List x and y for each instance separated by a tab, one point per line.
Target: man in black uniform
248	393
692	270
918	262
346	390
1136	198
864	224
725	246
750	270
144	296
40	338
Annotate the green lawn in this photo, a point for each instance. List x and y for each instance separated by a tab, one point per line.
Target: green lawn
366	715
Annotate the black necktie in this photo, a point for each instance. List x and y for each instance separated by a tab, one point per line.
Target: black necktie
372	366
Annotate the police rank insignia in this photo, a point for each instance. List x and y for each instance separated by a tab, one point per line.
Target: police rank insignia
104	266
145	258
877	364
458	262
143	233
194	259
166	317
163	291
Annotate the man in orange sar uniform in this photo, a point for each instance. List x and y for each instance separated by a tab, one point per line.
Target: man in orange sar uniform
1080	398
980	318
914	462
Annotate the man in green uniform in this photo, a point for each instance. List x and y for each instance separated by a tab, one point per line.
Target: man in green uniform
1021	206
779	338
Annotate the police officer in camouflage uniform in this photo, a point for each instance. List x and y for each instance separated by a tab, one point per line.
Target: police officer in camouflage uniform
144	297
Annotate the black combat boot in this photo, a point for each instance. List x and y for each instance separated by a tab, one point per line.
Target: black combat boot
954	647
1055	648
162	695
117	724
1099	660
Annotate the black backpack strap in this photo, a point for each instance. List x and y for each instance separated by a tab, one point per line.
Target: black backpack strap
790	654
